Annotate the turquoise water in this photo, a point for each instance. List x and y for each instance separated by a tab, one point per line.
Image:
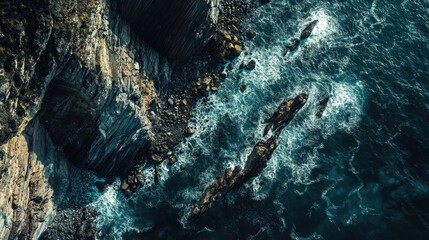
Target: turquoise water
361	171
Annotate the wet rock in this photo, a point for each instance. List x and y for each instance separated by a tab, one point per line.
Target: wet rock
224	47
322	106
234	178
223	75
243	87
237	50
285	113
251	33
157	174
294	43
308	29
205	84
190	131
249	66
172	158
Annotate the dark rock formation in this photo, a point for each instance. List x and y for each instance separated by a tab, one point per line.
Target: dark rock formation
322	106
294	43
251	33
249	66
308	29
177	29
285	113
232	179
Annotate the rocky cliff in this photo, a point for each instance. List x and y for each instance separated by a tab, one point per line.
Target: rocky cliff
179	32
77	83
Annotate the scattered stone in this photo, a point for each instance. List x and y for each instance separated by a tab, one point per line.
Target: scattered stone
237	50
124	185
184	102
222	75
251	33
172	158
157	174
171	101
190	131
214	89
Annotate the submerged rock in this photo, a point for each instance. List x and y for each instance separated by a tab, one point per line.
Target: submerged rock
294	43
322	106
249	66
308	29
233	178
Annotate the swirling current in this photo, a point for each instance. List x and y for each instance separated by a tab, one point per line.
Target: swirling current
359	172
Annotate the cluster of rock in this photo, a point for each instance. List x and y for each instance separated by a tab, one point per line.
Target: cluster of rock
232	179
305	33
72	224
224	46
206	84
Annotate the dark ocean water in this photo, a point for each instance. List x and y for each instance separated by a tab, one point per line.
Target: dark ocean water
359	172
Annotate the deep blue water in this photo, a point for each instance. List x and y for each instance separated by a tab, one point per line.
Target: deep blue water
359	172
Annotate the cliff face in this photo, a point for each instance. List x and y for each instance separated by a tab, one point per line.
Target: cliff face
33	176
182	29
76	84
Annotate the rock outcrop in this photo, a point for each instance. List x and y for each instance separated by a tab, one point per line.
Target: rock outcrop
305	33
308	29
285	113
322	106
232	179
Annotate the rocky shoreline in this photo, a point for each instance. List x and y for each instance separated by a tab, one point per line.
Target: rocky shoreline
173	110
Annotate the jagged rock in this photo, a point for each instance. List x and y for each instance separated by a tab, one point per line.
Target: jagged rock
224	47
285	113
157	174
294	43
232	179
237	50
308	29
180	32
249	66
222	75
205	84
251	33
190	131
243	87
322	106
172	158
